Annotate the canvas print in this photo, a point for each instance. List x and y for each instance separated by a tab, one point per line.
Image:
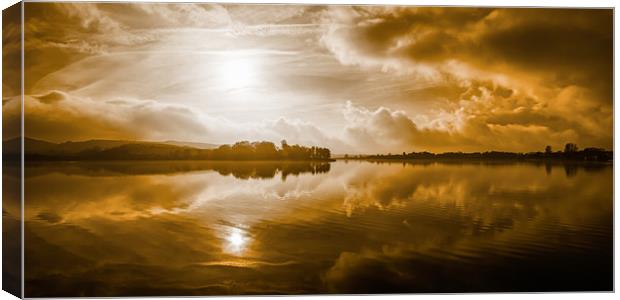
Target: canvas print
197	149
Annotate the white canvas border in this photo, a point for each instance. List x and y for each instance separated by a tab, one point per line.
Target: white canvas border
509	3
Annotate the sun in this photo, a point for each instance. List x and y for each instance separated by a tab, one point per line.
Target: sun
237	72
236	239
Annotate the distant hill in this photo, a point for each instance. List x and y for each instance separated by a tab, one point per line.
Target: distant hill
13	146
34	146
192	144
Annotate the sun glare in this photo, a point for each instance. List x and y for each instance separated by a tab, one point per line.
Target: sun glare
237	72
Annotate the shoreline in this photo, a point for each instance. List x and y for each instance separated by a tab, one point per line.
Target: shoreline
479	160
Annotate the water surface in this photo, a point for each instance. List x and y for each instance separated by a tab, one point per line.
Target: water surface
214	228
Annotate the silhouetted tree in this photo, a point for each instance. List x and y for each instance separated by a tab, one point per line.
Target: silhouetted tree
570	148
571	153
548	149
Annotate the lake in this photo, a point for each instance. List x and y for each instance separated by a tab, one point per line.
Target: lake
218	228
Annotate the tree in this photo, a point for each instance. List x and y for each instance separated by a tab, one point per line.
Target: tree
570	148
548	149
265	150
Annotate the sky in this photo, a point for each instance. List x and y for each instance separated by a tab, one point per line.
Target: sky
356	79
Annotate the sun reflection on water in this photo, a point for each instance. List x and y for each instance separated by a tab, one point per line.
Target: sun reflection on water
236	241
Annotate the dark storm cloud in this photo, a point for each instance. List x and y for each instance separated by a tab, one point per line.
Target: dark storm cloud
573	46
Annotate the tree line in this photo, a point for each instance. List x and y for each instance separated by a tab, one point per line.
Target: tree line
571	152
240	151
268	151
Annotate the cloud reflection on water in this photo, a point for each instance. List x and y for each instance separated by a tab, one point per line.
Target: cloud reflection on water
198	232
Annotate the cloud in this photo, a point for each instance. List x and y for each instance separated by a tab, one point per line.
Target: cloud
392	131
178	15
58	34
11	51
59	116
381	128
496	40
437	79
86	28
51	97
387	35
486	117
527	76
355	273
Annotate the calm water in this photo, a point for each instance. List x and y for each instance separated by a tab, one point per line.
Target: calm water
183	228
